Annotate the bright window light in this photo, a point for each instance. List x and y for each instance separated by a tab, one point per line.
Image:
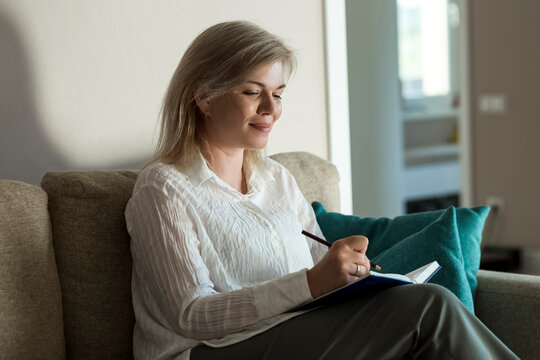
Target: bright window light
424	67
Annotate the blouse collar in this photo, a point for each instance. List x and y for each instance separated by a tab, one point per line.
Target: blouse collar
256	176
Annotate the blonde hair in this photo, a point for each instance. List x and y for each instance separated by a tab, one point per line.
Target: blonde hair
218	60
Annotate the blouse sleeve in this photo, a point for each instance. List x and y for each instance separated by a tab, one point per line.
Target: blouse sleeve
166	258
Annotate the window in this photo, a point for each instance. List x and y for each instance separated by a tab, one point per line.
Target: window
427	32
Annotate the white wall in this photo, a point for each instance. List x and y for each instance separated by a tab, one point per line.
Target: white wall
82	81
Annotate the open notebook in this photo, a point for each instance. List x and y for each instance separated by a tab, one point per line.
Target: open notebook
371	282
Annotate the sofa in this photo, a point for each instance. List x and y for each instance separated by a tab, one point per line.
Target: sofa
65	267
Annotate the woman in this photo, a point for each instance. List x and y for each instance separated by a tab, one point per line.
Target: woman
218	255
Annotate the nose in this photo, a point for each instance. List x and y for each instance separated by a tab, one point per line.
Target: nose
267	106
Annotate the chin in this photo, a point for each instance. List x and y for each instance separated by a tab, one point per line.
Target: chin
258	145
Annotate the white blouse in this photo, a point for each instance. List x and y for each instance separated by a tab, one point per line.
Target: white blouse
212	265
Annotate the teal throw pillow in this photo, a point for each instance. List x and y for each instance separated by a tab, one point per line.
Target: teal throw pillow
399	245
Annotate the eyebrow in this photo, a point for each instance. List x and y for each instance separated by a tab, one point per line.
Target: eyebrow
282	86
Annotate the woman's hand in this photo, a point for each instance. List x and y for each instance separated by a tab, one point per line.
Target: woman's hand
344	262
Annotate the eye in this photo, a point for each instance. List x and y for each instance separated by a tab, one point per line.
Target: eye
251	93
278	96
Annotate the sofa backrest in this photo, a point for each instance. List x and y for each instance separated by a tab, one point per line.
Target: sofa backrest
30	301
317	178
91	244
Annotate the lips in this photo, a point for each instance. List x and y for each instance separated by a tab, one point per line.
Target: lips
262	126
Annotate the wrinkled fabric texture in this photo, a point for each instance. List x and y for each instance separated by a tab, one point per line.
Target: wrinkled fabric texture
211	264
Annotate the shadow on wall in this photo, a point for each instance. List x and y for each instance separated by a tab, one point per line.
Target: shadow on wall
26	153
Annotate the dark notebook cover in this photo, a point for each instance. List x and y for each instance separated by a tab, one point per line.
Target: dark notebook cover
372	283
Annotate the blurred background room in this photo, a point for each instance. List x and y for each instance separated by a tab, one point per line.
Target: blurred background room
421	104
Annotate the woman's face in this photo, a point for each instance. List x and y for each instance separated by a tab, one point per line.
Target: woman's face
243	118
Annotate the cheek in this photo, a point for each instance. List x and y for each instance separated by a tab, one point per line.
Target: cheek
250	109
277	111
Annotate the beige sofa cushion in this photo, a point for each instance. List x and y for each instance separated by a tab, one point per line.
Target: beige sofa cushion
509	305
94	262
317	178
30	302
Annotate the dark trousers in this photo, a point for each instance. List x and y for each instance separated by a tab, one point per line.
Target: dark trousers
404	322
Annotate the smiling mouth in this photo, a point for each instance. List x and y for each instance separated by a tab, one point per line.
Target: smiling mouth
262	127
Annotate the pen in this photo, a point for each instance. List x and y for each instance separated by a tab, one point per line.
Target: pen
324	242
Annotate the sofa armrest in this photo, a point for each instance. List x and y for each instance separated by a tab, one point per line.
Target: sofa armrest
509	305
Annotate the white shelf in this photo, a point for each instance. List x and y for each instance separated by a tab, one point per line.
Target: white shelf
433	180
418	154
411	116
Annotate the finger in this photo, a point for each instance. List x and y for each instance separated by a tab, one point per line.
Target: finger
358	243
362	260
358	270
